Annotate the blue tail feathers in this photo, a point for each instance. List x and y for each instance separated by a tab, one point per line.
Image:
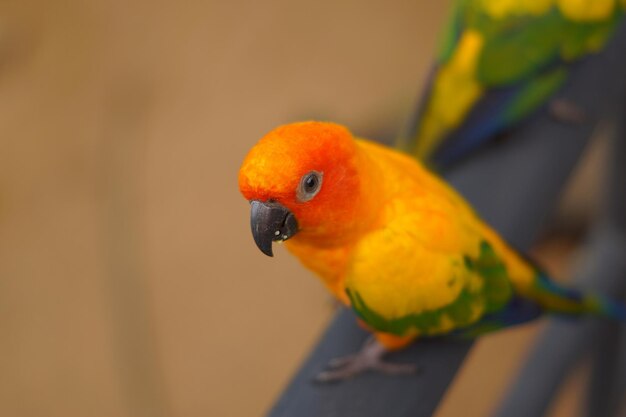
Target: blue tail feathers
561	300
606	307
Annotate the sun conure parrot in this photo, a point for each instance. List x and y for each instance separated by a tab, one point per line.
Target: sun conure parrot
500	61
392	241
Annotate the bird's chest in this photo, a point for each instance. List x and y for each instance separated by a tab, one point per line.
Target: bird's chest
329	264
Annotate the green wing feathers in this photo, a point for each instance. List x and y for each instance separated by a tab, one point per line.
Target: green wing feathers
493	305
493	295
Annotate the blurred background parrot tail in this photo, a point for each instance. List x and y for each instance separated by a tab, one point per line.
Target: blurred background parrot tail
499	62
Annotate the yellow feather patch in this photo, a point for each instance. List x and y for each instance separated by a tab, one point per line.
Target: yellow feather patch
427	272
455	90
446	324
396	277
501	8
586	10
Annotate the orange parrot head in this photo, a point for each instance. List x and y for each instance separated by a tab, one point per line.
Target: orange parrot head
303	178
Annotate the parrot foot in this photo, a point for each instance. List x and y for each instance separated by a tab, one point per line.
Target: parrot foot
368	358
567	111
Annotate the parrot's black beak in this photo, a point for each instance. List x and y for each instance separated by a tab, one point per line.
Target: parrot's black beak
271	221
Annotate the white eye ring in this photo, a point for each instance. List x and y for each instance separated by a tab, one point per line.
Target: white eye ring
310	185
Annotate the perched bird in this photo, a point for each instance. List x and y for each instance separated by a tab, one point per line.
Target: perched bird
499	62
392	241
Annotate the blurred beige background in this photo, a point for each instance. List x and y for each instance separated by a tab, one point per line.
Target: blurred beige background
129	282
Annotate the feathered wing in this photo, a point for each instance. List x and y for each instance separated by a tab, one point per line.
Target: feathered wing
433	286
463	283
500	61
430	266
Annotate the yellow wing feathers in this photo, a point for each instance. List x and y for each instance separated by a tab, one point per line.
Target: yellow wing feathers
415	277
455	90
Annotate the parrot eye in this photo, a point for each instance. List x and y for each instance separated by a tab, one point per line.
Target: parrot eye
309	186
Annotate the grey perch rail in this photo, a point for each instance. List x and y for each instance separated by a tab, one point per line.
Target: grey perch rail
514	185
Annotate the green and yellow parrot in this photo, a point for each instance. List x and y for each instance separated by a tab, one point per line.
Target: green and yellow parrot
499	62
393	242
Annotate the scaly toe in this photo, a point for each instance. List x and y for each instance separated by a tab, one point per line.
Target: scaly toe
368	358
340	361
349	366
390	368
